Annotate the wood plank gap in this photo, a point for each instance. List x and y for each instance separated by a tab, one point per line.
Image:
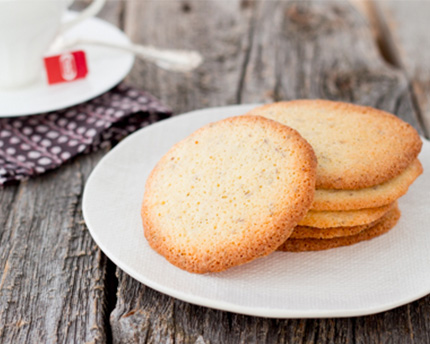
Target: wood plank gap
121	15
110	283
390	53
12	215
383	36
353	330
17	192
419	112
247	56
111	287
408	314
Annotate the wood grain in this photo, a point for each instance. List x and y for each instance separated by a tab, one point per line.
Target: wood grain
55	284
218	29
325	50
260	51
52	275
404	25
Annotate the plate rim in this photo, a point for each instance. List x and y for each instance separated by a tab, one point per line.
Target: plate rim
228	306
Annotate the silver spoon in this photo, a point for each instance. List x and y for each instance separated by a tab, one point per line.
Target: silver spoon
172	60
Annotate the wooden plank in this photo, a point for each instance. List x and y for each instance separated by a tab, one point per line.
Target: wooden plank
404	26
143	315
111	12
191	25
323	51
261	51
52	275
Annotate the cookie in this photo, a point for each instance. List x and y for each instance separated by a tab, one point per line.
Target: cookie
375	196
356	146
304	232
348	218
231	192
384	225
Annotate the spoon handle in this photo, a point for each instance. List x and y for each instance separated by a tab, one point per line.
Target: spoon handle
172	60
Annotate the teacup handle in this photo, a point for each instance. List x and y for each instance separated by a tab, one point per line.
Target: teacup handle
90	11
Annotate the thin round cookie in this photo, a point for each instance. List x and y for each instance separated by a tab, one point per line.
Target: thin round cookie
375	196
356	146
383	226
304	232
229	193
347	218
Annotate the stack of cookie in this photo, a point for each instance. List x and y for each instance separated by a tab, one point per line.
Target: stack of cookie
367	159
292	176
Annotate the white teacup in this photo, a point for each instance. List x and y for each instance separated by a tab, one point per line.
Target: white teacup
27	28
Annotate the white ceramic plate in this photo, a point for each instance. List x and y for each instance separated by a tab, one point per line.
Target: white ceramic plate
366	278
106	68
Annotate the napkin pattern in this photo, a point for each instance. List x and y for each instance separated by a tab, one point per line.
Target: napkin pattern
35	144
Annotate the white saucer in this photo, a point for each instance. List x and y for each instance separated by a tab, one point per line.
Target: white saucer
365	278
107	67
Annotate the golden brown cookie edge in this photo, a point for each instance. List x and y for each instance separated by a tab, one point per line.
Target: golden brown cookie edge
304	245
280	230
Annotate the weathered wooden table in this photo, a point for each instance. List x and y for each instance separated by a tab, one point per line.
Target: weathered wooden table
55	283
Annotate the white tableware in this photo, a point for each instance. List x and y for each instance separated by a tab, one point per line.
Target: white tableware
107	68
365	278
27	28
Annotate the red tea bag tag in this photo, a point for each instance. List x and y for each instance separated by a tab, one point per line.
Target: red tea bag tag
66	67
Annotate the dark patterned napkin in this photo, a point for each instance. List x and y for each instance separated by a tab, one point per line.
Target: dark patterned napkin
32	145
